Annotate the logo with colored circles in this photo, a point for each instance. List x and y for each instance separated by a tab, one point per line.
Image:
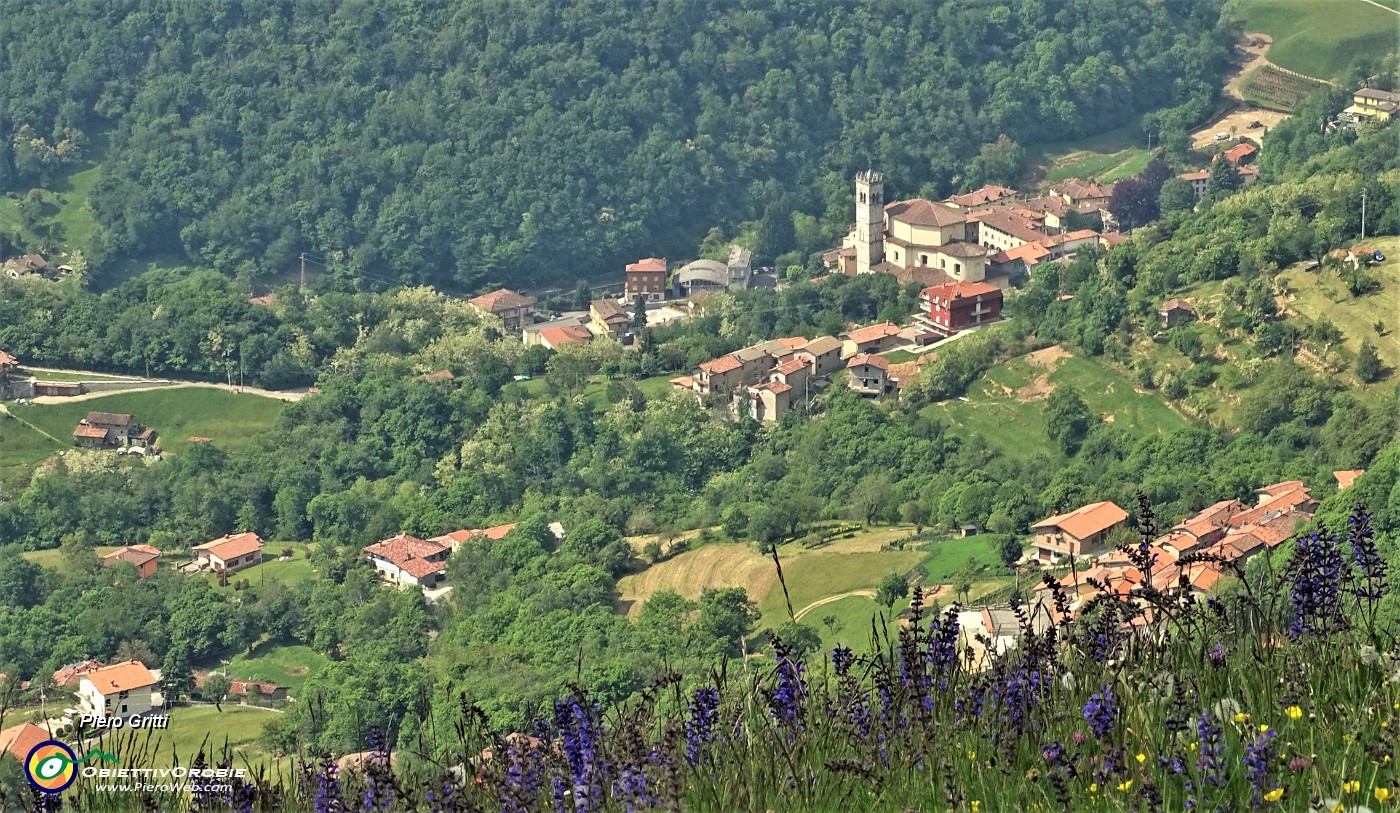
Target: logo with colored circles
52	766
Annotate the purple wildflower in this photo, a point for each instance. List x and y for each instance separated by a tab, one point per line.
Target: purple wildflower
700	726
1257	756
580	731
841	660
1315	576
1100	711
1217	656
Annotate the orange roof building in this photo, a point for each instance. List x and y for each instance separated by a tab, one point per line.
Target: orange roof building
1081	532
231	552
407	559
142	557
120	689
1346	477
21	739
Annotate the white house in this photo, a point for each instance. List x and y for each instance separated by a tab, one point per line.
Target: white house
119	690
231	552
409	560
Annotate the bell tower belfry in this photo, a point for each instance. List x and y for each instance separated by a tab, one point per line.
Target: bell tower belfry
870	220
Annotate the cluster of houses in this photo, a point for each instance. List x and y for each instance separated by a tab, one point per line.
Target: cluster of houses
33	266
991	235
1242	155
112	430
1228	531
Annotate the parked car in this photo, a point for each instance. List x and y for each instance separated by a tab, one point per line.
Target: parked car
1378	256
1221	136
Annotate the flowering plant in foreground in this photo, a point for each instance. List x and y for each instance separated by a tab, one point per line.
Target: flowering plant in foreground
1133	706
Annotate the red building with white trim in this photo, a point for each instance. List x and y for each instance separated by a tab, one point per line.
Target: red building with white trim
954	306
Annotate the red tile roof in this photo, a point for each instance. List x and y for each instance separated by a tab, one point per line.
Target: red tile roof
85	431
685	382
408	553
1199	175
136	554
1239	152
21	739
1007	222
70	674
790	367
869	358
1084	522
108	419
1030	253
723	364
7	360
458	537
502	300
954	290
1346	477
1276	490
121	677
979	197
231	546
649	264
872	333
607	310
1173	304
921	212
568	334
793	342
776	387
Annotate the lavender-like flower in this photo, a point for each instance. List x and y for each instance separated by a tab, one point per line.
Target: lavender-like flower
1257	757
1216	656
1100	711
1315	576
326	782
581	730
941	654
788	700
842	660
700	724
1369	566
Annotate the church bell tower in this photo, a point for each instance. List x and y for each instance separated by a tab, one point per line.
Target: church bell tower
870	220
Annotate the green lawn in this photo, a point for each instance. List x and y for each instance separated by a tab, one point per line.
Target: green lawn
1005	407
946	557
1320	38
68	215
1107	156
288	666
270	570
192	728
899	356
53	558
21	447
233	420
1322	294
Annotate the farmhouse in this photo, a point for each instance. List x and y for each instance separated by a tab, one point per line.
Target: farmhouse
110	429
511	308
955	306
456	539
21	739
1373	104
1081	532
247	688
121	689
869	374
870	339
26	265
1085	196
1347	477
1241	154
607	319
1176	311
142	557
824	353
230	553
646	278
407	559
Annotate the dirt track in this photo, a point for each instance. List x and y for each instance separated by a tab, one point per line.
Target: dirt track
1236	123
289	395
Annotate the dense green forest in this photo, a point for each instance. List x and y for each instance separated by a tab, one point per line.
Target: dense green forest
465	144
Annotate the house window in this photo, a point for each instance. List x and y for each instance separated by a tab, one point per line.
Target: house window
942	263
923	259
957	268
123	708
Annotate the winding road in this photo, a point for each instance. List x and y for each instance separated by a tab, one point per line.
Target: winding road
829	599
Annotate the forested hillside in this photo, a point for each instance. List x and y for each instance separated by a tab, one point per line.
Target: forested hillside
499	142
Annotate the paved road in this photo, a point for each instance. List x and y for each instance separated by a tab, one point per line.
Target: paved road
282	395
829	599
1378	5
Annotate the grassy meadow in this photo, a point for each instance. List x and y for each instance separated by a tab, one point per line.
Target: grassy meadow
1320	38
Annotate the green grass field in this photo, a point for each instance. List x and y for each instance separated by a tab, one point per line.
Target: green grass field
1108	156
946	557
1005	406
54	558
21	448
270	570
1320	38
69	216
193	727
288	666
899	356
233	420
1321	294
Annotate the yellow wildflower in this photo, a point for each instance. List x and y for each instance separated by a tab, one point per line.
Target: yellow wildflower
971	754
1351	786
1241	717
1263	729
1274	795
1141	758
1194	746
1294	712
976	807
1093	787
1126	786
1383	794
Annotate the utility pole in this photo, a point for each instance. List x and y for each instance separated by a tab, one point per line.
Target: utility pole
303	272
1363	213
1149	143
